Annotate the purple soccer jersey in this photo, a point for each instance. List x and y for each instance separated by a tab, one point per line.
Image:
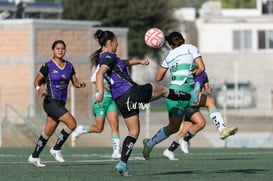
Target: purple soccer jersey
118	76
57	79
202	79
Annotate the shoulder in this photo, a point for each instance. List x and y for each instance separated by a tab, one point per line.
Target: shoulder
111	56
108	55
68	62
47	64
49	61
166	55
107	58
191	46
193	50
205	77
45	67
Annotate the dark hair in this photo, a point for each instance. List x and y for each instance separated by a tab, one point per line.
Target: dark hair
102	37
175	39
57	42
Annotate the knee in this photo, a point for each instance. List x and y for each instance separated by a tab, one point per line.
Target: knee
210	102
202	125
134	133
73	126
172	129
159	91
48	133
176	129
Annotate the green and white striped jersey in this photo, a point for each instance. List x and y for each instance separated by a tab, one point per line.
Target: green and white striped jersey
180	62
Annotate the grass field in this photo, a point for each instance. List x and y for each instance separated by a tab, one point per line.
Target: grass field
90	163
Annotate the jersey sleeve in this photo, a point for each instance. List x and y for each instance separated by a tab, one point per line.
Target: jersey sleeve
194	51
44	70
206	79
73	71
109	60
164	61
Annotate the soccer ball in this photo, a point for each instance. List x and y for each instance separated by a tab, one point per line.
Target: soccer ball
154	38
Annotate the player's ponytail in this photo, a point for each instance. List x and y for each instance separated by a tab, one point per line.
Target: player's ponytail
102	37
94	58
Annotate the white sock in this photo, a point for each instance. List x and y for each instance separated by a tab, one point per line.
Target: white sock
116	143
85	129
217	119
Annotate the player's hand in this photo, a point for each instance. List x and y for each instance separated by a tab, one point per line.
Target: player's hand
209	90
145	61
98	98
82	84
107	87
42	91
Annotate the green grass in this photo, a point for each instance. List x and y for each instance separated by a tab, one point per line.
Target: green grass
95	164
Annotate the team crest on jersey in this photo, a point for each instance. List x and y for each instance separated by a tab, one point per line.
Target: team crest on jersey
55	71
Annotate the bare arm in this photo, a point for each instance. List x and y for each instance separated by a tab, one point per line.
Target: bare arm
38	83
161	72
200	66
77	83
207	88
130	62
106	86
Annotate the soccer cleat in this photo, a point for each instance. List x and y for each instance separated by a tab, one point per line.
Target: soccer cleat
122	169
76	134
35	161
116	155
169	154
57	154
226	132
184	145
146	149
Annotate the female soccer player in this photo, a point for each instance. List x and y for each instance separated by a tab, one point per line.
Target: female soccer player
105	109
181	60
56	75
127	94
195	122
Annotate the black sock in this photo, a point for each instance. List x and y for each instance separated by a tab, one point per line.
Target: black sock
39	147
127	148
188	136
173	146
177	95
61	140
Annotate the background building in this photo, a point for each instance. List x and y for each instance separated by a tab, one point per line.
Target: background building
236	45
